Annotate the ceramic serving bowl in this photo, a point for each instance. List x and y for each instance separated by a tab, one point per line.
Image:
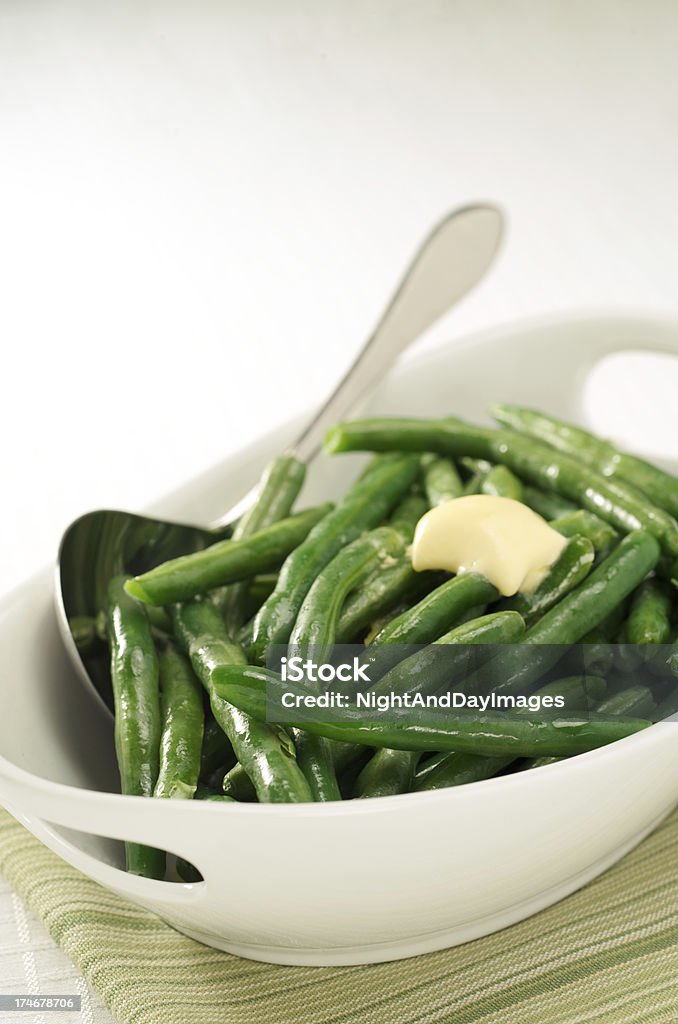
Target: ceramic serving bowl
359	881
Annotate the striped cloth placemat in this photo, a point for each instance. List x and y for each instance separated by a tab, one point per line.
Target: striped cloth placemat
606	955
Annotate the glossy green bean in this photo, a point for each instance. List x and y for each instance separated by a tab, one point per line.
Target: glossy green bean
586	524
183	719
228	561
578	612
216	749
245	686
379	595
363	507
136	697
458	769
441	481
455	769
265	751
407	514
314	757
618	503
439	611
659	486
428	669
238	785
649	620
633	701
572	566
317	619
547	504
502	483
387	773
278	490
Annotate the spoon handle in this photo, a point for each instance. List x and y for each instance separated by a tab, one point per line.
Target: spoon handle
449	262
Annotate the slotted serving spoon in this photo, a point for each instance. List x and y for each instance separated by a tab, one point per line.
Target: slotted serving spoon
450	261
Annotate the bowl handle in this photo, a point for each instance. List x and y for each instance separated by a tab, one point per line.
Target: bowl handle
37	803
156	894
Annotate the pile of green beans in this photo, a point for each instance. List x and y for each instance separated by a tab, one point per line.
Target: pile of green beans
189	639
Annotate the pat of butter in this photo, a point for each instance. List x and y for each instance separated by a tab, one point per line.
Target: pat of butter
500	538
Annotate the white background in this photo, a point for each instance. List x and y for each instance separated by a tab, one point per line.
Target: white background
204	205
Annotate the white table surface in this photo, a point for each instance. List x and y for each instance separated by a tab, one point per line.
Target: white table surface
203	207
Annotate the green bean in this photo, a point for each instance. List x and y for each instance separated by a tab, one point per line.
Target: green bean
278	490
228	561
441	609
589	525
569	569
628	657
322	778
428	669
547	504
473	484
265	751
84	632
348	776
579	611
476	467
382	621
203	793
159	619
238	785
216	749
379	595
316	621
407	514
259	589
387	773
634	701
314	757
182	727
599	654
363	507
502	483
668	707
441	481
345	755
135	675
245	686
455	769
618	503
660	487
580	692
649	619
608	585
425	671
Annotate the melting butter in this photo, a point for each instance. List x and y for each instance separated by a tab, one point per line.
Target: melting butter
500	538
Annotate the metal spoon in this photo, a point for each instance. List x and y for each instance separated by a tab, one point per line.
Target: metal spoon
451	260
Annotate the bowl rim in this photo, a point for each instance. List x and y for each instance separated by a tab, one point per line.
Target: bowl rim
648	737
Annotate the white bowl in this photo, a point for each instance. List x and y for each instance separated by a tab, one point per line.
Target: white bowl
361	881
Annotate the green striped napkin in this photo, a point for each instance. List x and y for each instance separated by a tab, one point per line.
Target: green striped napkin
606	955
